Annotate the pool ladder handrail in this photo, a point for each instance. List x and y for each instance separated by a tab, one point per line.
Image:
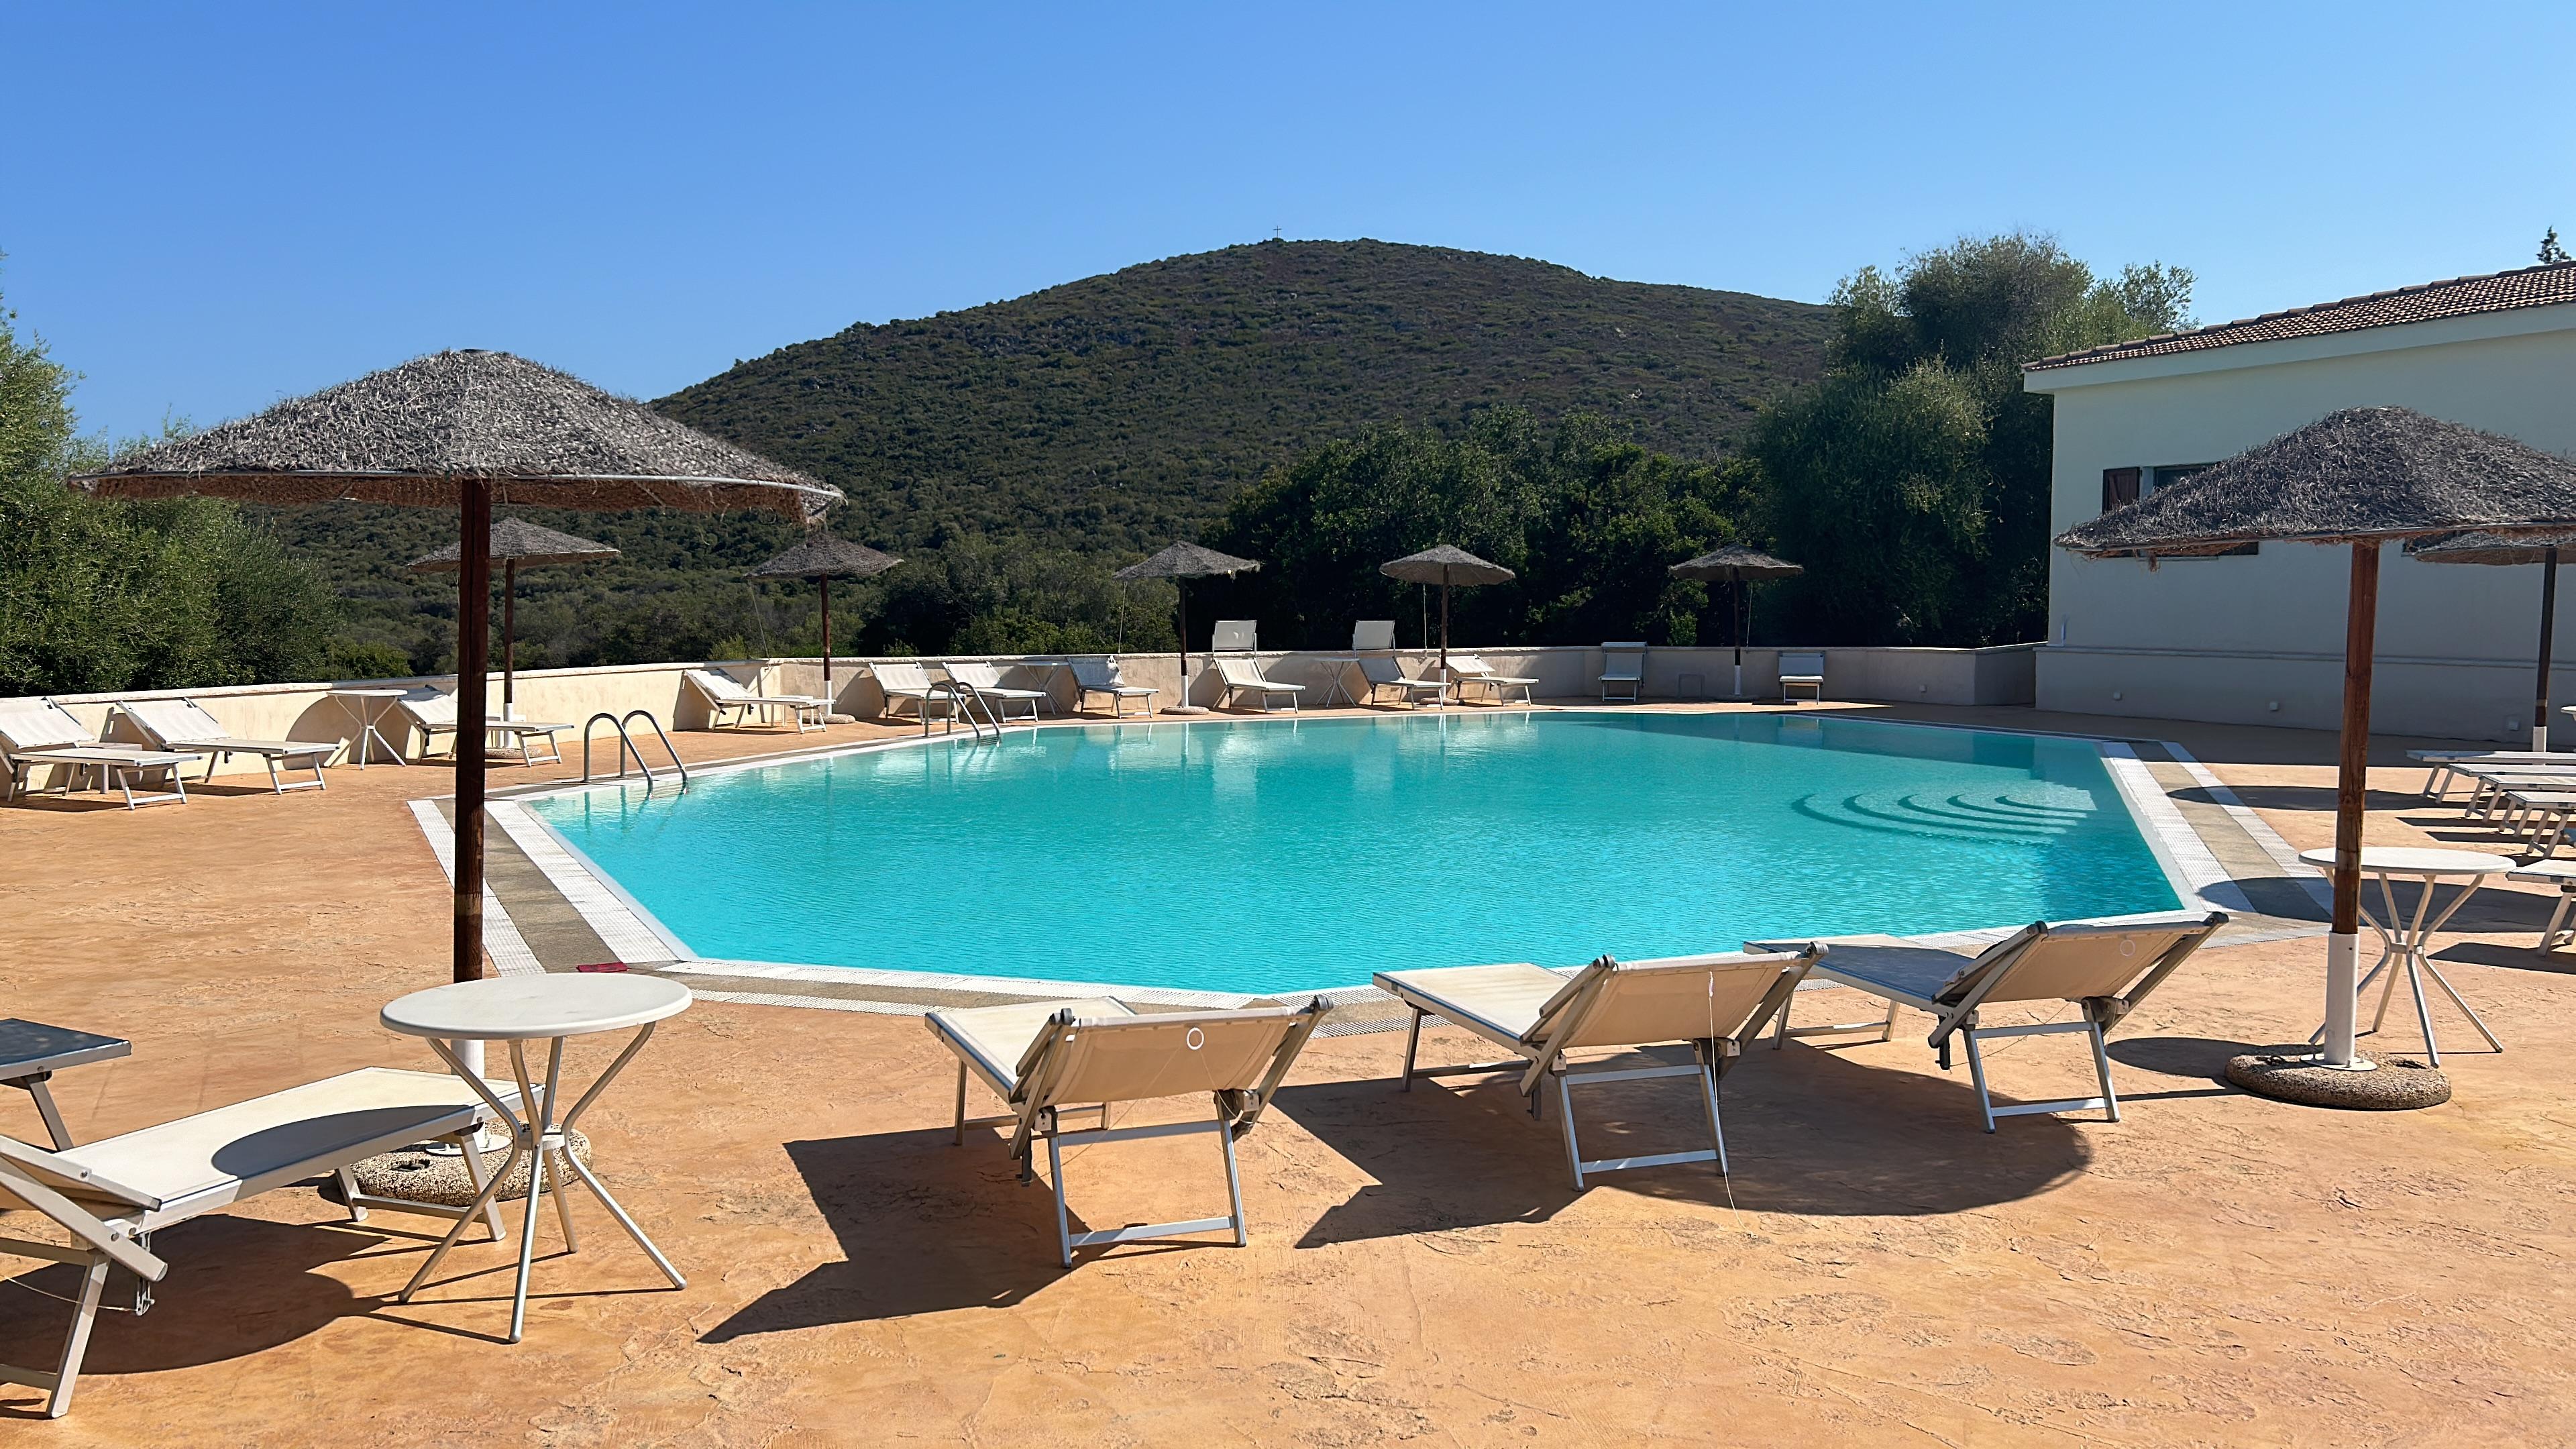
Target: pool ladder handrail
963	701
626	747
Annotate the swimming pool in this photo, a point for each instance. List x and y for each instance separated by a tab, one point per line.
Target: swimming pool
1287	855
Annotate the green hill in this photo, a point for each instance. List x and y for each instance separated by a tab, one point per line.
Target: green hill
1118	411
1015	452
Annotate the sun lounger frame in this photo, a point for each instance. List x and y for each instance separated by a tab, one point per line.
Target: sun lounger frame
1710	1057
112	1225
1033	1116
1954	1010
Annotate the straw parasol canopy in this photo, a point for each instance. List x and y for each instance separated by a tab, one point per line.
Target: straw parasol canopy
2497	551
1187	561
1737	564
464	430
2361	476
1446	565
823	558
516	544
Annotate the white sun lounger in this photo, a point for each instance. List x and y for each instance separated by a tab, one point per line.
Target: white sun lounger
1099	674
986	681
1046	1058
40	732
1467	669
2106	967
1243	676
906	681
1714	1003
435	714
113	1194
730	702
181	724
1623	670
2443	767
1385	671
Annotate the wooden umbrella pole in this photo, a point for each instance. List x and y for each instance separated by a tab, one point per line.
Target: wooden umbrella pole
473	657
2548	625
509	636
2352	800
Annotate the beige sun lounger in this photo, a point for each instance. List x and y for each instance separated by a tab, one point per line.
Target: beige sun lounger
1385	671
1623	670
113	1194
1714	1003
986	680
2106	967
1243	676
732	703
435	714
40	732
1467	669
1046	1058
1100	674
182	724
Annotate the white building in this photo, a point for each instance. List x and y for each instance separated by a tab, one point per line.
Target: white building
2257	637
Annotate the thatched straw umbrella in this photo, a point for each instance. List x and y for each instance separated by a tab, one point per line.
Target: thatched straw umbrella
823	558
466	430
1179	562
2488	548
1738	565
1446	565
517	544
2358	477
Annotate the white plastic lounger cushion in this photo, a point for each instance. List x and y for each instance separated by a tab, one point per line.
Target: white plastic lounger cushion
249	1147
1499	1003
991	1039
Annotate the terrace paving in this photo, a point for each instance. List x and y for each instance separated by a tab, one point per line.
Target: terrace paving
2216	1269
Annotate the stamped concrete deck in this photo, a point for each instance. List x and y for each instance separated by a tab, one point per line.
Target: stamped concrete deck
2217	1269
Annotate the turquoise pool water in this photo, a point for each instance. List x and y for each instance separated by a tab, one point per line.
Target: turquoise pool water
1279	855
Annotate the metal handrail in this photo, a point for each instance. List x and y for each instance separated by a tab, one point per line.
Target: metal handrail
626	747
963	700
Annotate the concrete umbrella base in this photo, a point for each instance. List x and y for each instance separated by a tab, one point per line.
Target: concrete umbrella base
414	1174
2297	1076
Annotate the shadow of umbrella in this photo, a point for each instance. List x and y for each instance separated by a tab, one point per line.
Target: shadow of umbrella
1808	1131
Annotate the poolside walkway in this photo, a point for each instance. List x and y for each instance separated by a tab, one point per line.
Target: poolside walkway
2216	1269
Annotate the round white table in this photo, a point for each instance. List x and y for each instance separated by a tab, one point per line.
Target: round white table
370	705
519	1010
2403	942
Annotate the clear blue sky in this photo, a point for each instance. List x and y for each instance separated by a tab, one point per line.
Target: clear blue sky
206	208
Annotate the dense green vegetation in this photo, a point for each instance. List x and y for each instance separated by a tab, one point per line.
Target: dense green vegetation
1322	407
101	595
1913	480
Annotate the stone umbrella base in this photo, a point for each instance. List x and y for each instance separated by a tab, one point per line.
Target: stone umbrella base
2297	1076
415	1174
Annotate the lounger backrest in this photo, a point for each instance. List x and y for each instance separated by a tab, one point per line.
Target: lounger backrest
974	675
911	678
1098	673
68	1178
40	724
1684	998
2080	962
1623	661
722	688
1235	634
1373	634
166	720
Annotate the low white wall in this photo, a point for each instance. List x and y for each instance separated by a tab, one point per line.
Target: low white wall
2456	699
